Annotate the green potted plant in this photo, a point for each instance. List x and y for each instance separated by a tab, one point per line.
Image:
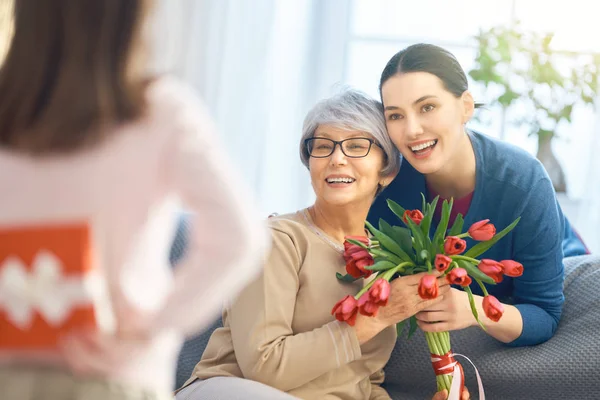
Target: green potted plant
535	86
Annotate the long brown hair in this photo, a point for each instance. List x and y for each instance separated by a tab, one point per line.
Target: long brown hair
68	73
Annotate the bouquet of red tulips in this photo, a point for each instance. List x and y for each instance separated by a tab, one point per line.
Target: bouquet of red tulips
394	251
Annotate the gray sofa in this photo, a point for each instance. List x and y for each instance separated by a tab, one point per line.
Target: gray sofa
565	367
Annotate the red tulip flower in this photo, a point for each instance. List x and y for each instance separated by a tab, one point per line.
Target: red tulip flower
428	287
482	230
492	268
376	297
357	258
415	215
459	276
512	268
493	308
442	262
454	245
346	310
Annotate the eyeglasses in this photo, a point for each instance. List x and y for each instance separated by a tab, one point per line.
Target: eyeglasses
353	147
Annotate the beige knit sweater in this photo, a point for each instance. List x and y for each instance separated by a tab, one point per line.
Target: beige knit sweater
280	330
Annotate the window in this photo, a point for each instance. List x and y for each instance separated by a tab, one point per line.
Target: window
379	28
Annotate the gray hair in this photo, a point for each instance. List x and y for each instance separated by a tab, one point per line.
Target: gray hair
353	110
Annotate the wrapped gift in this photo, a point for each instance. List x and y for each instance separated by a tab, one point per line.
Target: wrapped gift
50	285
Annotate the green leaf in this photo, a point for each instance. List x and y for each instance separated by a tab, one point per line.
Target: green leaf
398	234
423	203
428	215
358	243
473	307
474	271
399	327
388	243
385	227
457	226
440	232
381	265
386	255
424	255
482	247
413	326
404	239
421	243
378	254
396	209
345	278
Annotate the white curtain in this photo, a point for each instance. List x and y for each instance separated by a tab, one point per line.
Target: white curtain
259	65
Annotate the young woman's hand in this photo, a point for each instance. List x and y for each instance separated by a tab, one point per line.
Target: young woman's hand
443	395
452	313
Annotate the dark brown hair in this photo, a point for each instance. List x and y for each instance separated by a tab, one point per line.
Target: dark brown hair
68	73
423	57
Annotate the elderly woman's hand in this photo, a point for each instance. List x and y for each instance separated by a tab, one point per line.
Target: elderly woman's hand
403	303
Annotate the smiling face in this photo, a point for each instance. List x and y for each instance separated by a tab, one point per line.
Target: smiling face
340	180
425	121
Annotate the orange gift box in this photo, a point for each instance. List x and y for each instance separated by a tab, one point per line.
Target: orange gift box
47	285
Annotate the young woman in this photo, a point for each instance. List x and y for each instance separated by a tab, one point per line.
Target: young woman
427	105
95	156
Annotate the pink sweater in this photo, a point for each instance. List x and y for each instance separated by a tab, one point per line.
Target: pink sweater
127	191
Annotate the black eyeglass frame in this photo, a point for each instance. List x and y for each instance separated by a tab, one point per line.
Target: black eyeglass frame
339	142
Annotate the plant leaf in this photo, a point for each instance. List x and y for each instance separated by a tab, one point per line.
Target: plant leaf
356	242
396	209
440	231
388	243
428	215
414	228
413	326
345	278
457	226
381	265
399	327
404	238
400	235
482	247
473	308
386	255
421	243
475	272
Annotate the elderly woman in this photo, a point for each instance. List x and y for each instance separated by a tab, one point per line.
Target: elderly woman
279	334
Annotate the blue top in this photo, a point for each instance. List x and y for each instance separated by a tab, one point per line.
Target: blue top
509	183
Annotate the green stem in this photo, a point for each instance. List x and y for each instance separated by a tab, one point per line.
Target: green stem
445	348
482	286
437	347
364	289
387	275
398	268
470	259
462	235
